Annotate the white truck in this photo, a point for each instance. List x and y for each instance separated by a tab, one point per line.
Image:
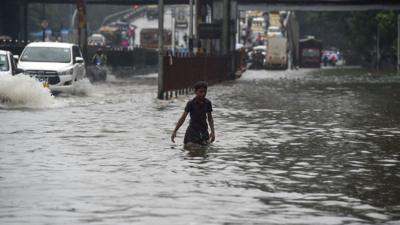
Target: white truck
277	53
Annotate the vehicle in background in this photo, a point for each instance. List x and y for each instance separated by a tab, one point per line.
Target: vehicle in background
57	65
112	35
257	28
274	31
277	54
149	38
257	56
332	58
310	52
275	19
97	40
7	64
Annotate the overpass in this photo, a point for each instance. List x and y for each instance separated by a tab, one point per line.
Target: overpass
14	13
373	4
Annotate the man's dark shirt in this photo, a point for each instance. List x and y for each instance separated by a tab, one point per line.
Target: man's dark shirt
198	113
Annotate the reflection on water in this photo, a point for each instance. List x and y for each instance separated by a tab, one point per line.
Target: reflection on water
303	147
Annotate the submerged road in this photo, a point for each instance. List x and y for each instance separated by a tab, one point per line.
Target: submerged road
302	147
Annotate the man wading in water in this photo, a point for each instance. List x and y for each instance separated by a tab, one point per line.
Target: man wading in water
200	110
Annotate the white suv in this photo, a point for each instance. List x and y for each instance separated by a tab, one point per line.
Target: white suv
60	65
7	64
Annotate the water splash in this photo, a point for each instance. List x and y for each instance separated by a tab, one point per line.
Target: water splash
83	88
23	91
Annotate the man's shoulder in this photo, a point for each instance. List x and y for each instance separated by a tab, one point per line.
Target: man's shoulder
207	101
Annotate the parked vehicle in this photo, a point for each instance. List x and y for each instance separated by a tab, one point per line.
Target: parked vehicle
7	64
58	65
277	54
310	52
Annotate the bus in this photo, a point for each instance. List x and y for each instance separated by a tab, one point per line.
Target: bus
310	52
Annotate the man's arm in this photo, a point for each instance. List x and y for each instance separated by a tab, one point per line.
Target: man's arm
211	123
178	125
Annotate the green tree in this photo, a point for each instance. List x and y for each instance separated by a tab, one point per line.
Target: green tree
355	33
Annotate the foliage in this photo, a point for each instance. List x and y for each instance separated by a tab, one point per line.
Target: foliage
352	32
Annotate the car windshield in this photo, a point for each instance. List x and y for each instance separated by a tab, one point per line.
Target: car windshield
47	54
3	63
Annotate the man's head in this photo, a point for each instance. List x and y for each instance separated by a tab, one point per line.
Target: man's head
99	51
200	89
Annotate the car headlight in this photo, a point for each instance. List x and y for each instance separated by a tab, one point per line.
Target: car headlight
66	72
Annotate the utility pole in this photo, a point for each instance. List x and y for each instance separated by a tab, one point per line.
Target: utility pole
398	43
173	33
196	20
191	19
377	48
25	22
44	22
225	26
160	93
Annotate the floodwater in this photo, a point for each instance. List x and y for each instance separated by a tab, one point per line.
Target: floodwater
301	147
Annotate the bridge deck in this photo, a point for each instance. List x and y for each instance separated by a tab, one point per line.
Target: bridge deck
304	3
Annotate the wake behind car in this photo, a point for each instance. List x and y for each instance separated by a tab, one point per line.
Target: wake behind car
7	64
58	65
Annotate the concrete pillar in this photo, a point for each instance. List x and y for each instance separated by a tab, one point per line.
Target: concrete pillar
44	29
190	18
398	43
160	49
173	33
196	19
25	19
225	27
377	48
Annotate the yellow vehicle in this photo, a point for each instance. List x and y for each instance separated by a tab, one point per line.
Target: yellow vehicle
275	19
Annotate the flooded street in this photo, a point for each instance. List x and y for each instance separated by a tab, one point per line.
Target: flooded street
294	147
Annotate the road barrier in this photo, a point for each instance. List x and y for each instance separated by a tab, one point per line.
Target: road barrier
182	70
126	62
